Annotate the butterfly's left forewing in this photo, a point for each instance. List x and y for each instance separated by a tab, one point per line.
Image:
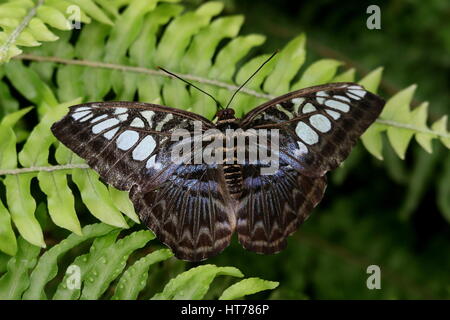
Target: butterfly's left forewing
130	145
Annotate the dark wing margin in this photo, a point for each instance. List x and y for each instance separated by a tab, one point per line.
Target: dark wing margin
318	125
129	145
272	207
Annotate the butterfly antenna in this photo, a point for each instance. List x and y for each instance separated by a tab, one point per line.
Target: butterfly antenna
193	85
254	73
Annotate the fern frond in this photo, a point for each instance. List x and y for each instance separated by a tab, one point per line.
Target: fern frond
401	124
25	22
105	263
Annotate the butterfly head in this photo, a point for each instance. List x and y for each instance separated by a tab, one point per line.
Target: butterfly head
225	114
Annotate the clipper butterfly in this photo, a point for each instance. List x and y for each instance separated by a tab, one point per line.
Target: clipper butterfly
195	208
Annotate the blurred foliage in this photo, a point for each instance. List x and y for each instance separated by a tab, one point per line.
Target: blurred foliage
391	213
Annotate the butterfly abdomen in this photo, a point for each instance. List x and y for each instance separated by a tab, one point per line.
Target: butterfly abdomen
232	170
233	179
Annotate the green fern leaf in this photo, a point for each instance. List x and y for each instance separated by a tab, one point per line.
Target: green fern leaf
85	263
8	243
47	267
246	287
193	284
319	72
24	22
16	279
134	279
111	263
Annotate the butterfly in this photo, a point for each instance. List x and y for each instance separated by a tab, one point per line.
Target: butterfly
194	208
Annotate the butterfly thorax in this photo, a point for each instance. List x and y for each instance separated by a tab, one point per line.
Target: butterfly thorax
232	170
225	114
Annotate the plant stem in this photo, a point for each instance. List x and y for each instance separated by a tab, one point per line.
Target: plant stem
96	64
46	169
231	87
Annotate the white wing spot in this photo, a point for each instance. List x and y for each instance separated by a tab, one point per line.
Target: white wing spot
335	115
341	98
337	105
305	133
353	96
359	93
96	119
82	109
99	127
137	123
79	115
297	102
86	118
166	119
320	122
127	139
302	149
111	133
151	163
309	107
122	117
144	149
320	96
148	115
120	110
